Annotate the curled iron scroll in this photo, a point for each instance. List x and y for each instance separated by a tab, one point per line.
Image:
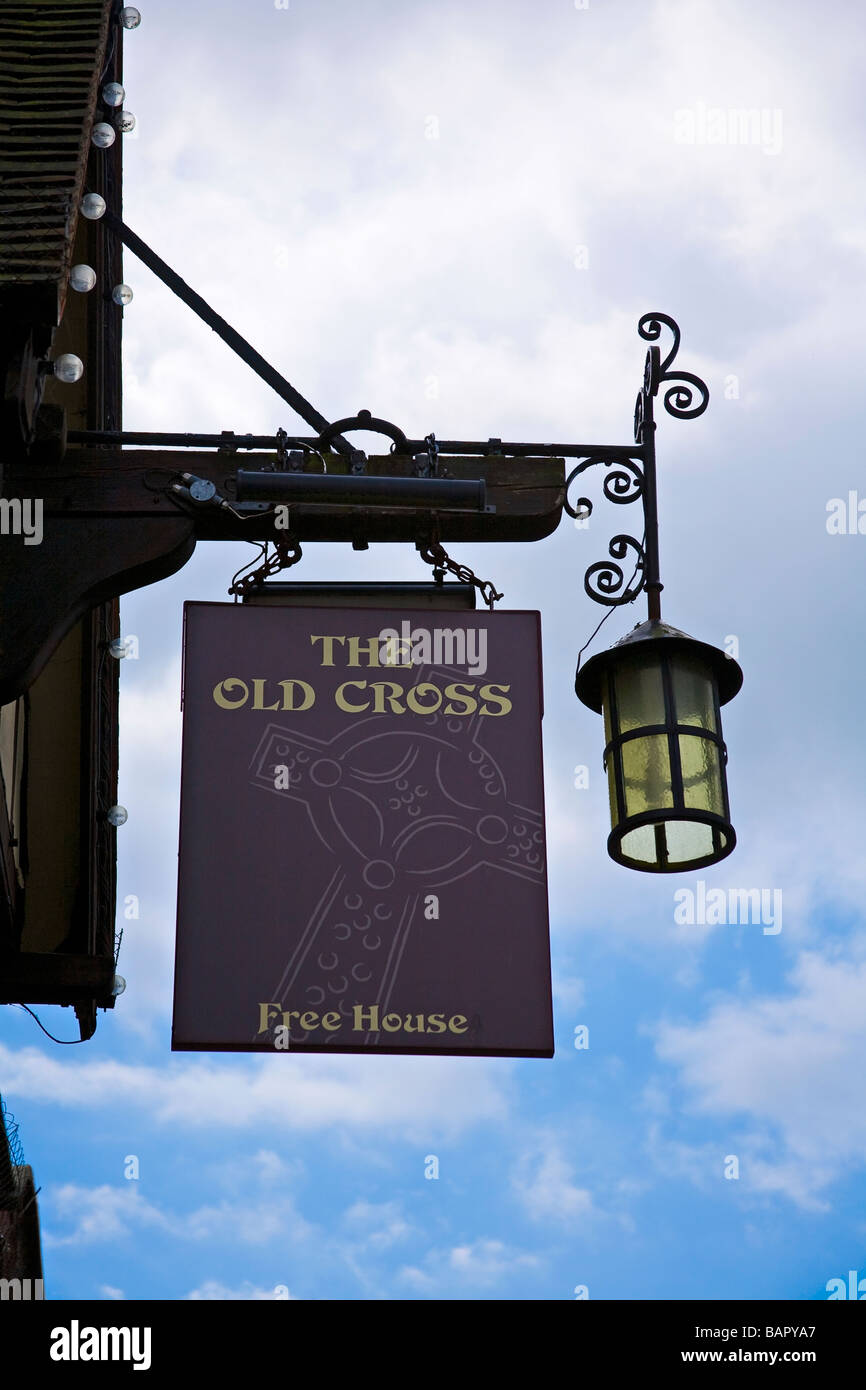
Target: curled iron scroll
605	581
623	484
679	397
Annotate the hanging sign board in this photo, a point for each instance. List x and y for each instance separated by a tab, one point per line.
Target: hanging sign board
362	851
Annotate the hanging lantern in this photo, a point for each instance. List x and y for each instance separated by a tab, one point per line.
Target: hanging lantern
660	692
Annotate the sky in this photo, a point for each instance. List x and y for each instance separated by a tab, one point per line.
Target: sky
454	216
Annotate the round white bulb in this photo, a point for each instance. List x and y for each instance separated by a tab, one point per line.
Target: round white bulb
82	278
68	367
102	135
117	815
118	985
113	94
122	294
126	122
119	648
130	17
92	206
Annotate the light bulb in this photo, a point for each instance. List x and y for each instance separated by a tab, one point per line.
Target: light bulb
68	367
113	94
118	985
126	122
122	294
117	815
102	135
119	648
82	278
130	17
92	206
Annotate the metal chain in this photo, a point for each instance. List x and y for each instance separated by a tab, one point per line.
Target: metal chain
287	552
436	555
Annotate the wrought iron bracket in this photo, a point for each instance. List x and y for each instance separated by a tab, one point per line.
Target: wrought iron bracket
633	475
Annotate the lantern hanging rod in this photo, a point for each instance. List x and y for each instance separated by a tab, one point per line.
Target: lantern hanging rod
613	453
229	335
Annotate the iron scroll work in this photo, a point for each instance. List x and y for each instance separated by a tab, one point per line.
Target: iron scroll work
633	473
631	476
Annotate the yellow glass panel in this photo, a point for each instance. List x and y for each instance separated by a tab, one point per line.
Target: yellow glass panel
611	790
646	774
639	695
693	693
702	780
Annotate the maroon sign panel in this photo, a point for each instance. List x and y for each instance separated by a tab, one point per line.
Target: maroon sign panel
362	852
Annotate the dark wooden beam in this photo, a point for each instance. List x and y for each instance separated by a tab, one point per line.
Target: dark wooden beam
45	589
47	977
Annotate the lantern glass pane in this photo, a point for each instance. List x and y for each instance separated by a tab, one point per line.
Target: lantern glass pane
640	844
694	697
702	778
683	844
610	758
646	770
605	705
640	696
611	788
688	840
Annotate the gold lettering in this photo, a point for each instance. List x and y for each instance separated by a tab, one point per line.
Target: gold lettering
341	701
265	1016
306	1024
379	696
361	1014
328	648
392	1023
370	646
487	692
436	1023
259	695
308	697
453	1022
455	692
413	698
220	693
331	1027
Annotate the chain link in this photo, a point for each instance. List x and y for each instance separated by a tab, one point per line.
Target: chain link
287	552
436	555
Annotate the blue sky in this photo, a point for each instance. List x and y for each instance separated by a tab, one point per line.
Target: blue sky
454	216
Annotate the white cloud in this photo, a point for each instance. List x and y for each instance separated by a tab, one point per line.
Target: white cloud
107	1214
478	1264
212	1290
543	1182
789	1070
100	1214
377	1225
408	1095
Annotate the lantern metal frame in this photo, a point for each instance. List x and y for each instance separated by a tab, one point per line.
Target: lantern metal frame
605	582
595	687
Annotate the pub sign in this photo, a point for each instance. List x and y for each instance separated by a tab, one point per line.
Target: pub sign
362	852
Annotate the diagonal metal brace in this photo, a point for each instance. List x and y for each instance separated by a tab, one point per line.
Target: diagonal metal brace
229	335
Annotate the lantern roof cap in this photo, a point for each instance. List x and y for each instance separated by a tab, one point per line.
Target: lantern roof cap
588	680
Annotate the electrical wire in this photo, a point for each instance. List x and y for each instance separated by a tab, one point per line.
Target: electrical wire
612	608
65	1042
